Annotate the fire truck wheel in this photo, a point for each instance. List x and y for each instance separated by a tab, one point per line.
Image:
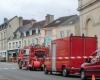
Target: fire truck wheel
51	72
33	69
82	75
45	70
42	68
20	67
30	68
64	72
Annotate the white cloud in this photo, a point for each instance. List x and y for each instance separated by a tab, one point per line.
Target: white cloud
37	8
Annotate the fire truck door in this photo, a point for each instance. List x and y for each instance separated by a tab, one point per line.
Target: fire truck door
54	57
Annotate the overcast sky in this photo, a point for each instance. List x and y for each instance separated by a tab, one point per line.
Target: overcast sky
37	9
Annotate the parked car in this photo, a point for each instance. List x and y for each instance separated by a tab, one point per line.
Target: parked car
91	66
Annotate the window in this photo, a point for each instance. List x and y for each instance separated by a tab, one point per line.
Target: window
36	41
32	41
28	42
33	32
13	44
68	32
58	21
27	33
62	34
38	31
1	36
26	52
21	34
15	36
24	42
49	33
4	34
58	35
16	44
9	45
19	43
10	26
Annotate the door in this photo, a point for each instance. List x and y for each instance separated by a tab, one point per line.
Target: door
54	57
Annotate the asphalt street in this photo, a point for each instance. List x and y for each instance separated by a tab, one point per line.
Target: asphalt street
10	71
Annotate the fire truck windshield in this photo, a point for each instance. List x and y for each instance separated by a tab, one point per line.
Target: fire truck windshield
26	52
40	54
98	54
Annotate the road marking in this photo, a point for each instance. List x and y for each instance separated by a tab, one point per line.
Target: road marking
8	68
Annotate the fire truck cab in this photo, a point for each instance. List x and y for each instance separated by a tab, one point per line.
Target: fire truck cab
37	57
23	57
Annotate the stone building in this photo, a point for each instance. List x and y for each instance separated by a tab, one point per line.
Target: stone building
6	30
36	32
62	27
90	17
15	41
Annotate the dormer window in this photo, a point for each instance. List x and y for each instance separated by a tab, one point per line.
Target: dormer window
33	32
39	31
22	34
27	33
15	36
10	26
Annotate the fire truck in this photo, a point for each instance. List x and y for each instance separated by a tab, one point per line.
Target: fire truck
67	54
32	57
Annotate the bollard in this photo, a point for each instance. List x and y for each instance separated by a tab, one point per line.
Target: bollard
93	77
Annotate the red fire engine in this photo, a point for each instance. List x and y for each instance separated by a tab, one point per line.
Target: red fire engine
32	57
67	54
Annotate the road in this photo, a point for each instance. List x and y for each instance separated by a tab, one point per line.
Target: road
10	71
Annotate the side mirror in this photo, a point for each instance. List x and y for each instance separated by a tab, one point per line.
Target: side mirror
88	60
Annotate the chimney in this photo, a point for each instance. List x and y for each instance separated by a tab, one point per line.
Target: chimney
49	18
20	21
33	21
5	20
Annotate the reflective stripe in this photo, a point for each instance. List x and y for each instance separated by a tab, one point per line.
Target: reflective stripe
85	57
72	57
47	58
60	57
79	57
97	56
66	57
90	56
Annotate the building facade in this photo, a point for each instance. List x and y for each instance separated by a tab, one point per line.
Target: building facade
15	41
90	17
36	32
6	30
